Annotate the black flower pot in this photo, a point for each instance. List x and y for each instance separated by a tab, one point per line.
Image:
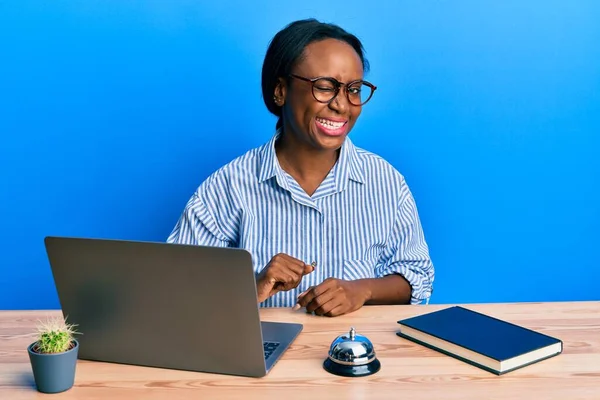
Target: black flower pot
54	373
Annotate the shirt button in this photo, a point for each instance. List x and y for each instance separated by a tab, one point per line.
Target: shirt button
314	264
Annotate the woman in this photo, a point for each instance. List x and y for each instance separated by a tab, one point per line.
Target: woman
331	227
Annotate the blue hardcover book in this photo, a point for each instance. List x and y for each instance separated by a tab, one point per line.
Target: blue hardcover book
489	343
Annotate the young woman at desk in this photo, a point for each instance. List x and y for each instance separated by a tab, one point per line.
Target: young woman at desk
330	226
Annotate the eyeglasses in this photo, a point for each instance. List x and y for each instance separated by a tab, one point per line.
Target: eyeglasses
325	89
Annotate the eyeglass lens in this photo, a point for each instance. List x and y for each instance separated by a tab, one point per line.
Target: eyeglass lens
358	93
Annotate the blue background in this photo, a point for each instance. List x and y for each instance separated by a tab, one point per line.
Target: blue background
112	113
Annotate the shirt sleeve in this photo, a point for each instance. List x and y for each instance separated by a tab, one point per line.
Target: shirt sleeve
407	252
198	226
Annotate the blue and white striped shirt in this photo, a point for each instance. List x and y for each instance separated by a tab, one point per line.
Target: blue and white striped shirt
361	222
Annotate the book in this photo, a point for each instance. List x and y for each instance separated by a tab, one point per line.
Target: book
489	343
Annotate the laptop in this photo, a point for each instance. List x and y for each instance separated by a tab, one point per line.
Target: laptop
166	305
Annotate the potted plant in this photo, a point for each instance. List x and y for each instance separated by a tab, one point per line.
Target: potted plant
53	355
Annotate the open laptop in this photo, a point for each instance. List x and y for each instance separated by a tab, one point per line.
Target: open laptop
166	305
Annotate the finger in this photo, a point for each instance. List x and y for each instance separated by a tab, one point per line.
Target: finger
292	284
321	301
298	271
308	268
307	296
292	260
296	267
336	311
299	266
297	306
283	262
301	295
280	280
305	269
290	281
314	292
327	307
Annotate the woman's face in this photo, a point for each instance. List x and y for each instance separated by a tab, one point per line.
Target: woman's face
322	126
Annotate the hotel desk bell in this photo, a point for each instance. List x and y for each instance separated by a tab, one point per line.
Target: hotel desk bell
351	355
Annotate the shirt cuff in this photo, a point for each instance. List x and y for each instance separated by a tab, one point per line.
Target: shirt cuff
421	285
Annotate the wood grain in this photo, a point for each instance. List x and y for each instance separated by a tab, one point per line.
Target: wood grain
408	370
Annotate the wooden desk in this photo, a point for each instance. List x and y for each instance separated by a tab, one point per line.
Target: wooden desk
408	371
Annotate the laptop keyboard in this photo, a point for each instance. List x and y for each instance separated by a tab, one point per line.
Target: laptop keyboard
269	348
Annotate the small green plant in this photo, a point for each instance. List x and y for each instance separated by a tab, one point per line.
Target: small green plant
54	335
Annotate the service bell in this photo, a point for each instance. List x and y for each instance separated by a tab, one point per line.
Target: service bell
351	355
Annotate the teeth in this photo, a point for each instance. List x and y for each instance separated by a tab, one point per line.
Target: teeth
330	124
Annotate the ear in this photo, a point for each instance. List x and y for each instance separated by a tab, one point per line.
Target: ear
280	92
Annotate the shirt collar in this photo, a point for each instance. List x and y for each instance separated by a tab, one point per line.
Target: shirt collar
349	166
269	165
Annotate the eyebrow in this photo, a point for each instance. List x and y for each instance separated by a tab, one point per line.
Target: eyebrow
310	76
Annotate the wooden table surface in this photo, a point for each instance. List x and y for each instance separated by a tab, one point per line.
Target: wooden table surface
408	371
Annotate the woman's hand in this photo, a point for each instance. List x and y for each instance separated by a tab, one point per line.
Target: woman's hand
282	273
334	297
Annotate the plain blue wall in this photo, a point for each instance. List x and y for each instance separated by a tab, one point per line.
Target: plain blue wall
112	113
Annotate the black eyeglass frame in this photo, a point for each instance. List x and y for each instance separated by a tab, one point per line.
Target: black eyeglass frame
337	86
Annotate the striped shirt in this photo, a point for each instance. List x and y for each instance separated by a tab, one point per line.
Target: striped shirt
361	222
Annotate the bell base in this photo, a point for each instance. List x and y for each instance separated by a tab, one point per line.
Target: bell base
352	370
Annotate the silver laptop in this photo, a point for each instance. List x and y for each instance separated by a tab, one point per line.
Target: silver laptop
166	305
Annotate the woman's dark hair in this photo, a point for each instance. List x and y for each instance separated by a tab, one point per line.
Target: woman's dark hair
287	48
